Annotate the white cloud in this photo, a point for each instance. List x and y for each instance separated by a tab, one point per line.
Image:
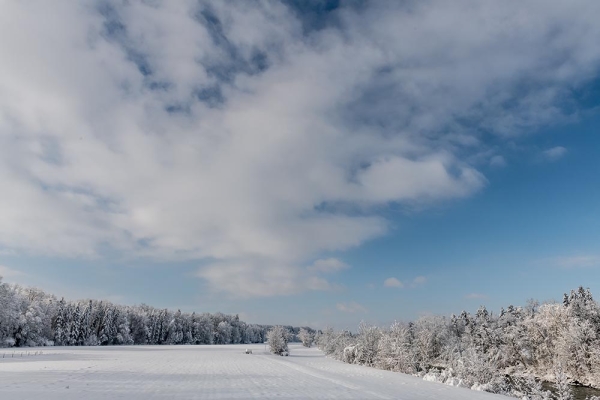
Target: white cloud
256	277
161	139
351	307
418	281
393	283
554	153
7	272
578	261
476	296
498	161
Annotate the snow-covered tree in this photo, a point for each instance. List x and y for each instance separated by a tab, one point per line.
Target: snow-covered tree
176	328
426	335
60	324
85	325
236	334
367	343
278	340
223	333
395	351
562	386
306	337
31	317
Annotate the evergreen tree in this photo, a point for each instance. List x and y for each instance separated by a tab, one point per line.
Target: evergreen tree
60	324
84	325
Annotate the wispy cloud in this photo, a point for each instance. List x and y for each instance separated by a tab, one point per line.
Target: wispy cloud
393	283
418	281
328	265
476	296
351	307
497	161
577	261
555	153
7	272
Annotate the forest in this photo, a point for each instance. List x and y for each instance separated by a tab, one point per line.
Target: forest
508	353
32	317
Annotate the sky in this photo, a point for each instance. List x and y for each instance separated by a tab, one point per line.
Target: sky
311	163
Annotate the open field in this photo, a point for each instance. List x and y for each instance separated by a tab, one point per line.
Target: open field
205	372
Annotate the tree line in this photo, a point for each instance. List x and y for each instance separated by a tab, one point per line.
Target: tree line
32	317
504	353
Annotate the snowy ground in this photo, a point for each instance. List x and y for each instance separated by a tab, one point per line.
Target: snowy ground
204	372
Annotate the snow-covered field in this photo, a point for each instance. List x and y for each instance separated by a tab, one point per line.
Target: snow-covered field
204	372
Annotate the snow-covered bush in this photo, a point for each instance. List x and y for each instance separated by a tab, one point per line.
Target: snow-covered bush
427	335
475	368
395	351
306	337
350	354
562	385
367	343
278	340
529	388
333	343
433	376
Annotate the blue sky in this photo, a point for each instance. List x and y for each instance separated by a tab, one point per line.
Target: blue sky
301	163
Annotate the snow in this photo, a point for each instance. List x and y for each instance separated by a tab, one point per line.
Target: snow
205	372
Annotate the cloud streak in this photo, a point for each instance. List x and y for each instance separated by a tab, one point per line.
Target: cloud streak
393	283
554	153
229	135
351	307
418	281
6	272
476	296
578	261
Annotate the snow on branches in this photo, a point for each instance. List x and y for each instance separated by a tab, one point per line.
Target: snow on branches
497	353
